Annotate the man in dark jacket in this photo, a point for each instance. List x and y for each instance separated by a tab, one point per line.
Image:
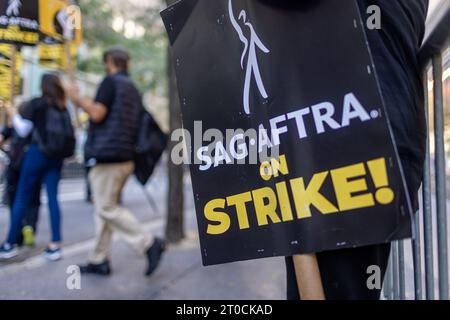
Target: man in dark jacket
395	49
109	153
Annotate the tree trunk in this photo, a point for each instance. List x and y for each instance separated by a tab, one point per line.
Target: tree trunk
175	206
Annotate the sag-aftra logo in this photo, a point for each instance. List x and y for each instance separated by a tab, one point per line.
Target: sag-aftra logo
13	7
251	45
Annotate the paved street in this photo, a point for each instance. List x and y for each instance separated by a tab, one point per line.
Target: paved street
181	275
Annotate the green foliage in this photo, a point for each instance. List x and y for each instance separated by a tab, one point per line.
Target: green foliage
149	52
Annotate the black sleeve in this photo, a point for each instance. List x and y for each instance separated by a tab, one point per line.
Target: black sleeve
106	93
7	133
27	110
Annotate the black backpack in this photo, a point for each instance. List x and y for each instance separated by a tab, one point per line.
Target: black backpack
151	143
57	139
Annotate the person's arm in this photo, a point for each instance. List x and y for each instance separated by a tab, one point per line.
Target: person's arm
22	122
22	126
4	135
96	110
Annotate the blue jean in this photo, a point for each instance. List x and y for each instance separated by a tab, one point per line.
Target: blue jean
36	168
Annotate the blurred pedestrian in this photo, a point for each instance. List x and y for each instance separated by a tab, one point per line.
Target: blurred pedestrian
48	121
16	152
109	153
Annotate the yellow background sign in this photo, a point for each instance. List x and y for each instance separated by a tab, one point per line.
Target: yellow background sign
5	73
14	34
53	56
51	15
19	22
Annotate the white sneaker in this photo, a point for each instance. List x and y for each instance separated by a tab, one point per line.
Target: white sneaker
8	251
53	254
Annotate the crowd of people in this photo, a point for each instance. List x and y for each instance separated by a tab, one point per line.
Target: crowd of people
41	136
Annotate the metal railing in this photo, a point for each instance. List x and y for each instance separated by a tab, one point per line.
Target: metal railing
430	247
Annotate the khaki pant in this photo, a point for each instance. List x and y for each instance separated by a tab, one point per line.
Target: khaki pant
107	182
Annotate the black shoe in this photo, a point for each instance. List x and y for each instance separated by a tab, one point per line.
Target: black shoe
154	255
102	269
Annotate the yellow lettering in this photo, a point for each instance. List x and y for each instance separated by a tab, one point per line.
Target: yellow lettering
239	201
285	204
305	197
217	216
265	210
280	166
266	171
345	188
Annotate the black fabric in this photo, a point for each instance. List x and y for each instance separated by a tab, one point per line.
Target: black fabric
16	153
32	212
53	131
34	111
114	139
151	143
413	179
344	273
395	49
7	133
106	92
17	146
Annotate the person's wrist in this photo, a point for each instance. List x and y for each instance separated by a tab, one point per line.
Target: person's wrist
76	100
84	102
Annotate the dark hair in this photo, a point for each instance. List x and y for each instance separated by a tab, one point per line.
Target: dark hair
119	56
53	90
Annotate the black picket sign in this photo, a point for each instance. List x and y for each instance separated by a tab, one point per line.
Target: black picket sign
19	22
301	77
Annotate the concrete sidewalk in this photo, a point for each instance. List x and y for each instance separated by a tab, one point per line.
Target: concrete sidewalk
180	276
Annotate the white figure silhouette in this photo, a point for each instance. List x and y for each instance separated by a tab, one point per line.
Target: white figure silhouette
252	60
13	7
65	22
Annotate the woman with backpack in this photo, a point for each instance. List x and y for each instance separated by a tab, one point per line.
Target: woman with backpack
48	121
